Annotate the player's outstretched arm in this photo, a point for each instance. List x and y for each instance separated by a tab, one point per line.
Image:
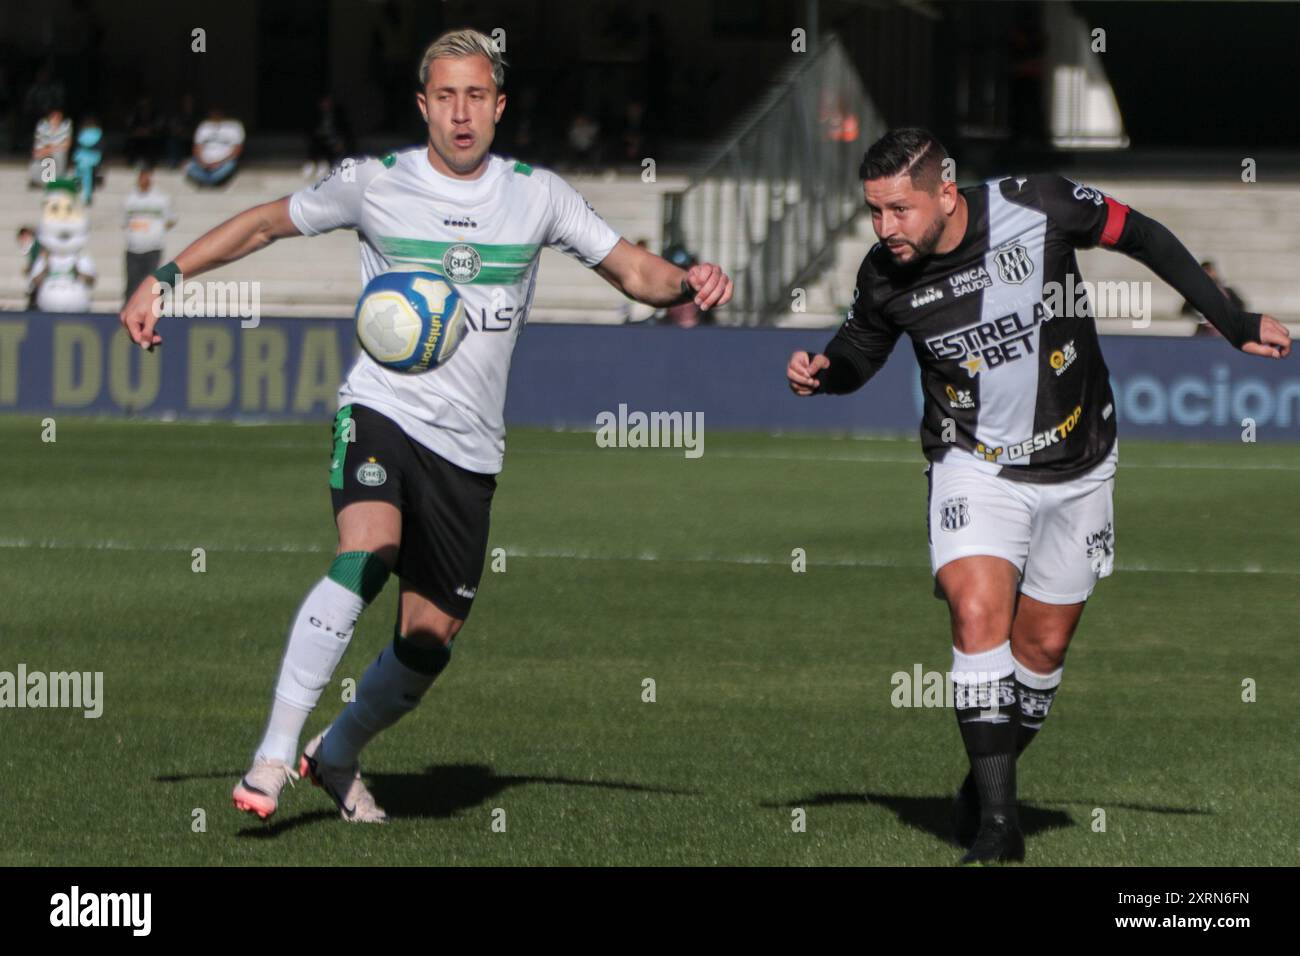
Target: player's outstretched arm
251	230
652	280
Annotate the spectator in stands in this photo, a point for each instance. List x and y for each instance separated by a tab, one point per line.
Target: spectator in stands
584	140
1204	327
144	129
87	157
148	217
218	144
180	128
633	132
50	148
30	249
331	138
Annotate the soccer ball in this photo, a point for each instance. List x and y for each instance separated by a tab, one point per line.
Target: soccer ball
410	320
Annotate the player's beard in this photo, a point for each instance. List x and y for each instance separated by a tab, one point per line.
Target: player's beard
929	240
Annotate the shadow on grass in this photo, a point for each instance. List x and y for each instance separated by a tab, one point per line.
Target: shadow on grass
933	814
439	792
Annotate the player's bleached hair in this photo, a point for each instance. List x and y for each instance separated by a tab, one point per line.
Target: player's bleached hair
910	150
456	43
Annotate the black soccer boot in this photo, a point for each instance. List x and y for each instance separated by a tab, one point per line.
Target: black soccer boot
999	841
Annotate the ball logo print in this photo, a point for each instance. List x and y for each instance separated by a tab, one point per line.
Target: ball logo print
410	320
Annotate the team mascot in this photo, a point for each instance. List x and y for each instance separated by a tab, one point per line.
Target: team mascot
62	274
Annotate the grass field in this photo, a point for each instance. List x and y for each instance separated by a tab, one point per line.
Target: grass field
772	687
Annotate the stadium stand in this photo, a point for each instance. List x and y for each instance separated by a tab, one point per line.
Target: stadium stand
320	277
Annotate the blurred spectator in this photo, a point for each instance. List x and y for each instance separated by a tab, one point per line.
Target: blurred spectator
180	128
50	148
30	249
87	157
218	144
584	139
148	217
633	150
331	137
144	129
1204	327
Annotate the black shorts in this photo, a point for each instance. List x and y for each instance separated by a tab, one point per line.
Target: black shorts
445	508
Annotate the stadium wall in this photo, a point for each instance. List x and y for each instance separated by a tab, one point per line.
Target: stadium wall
564	376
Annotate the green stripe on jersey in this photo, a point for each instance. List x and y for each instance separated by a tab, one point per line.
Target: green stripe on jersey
523	168
426	250
342	434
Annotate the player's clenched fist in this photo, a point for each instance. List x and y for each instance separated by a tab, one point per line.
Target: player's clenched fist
803	366
140	314
710	285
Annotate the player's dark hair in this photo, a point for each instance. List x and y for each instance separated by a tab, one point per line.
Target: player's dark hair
908	149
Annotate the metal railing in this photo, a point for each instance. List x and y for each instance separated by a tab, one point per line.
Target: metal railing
770	204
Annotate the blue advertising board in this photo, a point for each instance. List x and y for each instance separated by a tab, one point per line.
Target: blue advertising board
565	375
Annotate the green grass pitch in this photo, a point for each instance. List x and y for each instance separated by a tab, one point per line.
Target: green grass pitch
772	688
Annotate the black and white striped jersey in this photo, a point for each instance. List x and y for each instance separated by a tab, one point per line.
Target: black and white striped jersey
1011	367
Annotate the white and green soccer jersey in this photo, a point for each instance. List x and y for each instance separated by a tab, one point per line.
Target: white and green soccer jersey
485	235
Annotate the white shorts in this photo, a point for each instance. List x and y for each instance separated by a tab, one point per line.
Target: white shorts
1061	536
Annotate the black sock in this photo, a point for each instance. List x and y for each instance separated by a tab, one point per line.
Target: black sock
1034	706
990	737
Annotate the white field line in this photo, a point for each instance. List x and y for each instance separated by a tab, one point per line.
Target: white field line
917	460
867	459
55	544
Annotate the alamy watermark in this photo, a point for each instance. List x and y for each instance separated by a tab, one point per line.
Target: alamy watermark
76	690
210	300
637	429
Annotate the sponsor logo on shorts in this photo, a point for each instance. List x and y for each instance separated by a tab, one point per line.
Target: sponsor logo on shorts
1101	549
461	263
959	397
1063	357
954	513
466	591
372	473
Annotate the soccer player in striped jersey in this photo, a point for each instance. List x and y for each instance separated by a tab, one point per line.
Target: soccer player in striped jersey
415	456
1018	424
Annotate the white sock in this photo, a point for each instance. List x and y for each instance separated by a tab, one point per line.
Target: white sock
991	665
388	690
321	633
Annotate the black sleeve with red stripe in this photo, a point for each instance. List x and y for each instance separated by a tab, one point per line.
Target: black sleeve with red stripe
1159	250
1090	218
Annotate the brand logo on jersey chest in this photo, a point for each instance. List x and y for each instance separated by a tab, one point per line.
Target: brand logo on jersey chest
1014	264
460	223
461	263
926	296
